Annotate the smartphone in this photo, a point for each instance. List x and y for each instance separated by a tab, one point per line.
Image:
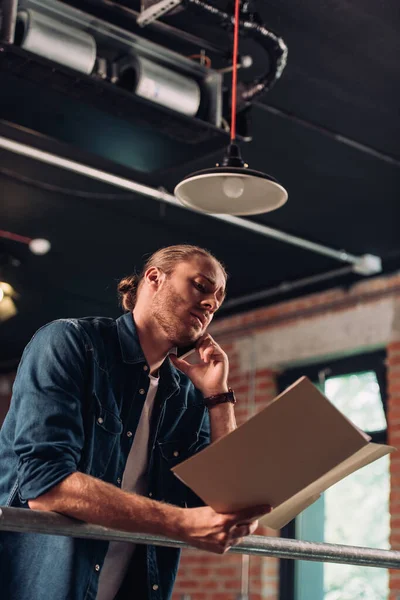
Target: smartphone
186	351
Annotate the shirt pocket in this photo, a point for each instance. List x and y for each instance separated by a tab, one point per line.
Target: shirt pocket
176	451
107	431
171	453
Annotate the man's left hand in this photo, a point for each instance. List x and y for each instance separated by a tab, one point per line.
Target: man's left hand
210	376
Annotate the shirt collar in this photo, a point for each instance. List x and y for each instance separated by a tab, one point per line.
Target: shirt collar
132	351
129	339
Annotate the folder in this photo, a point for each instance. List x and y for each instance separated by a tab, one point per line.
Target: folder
285	456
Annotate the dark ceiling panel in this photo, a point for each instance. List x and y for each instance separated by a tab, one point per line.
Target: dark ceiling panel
342	76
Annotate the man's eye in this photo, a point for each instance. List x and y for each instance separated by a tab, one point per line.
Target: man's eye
200	286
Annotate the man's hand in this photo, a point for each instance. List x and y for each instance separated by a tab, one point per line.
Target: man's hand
208	530
210	376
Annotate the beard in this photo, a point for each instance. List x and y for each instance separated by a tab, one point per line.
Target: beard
172	313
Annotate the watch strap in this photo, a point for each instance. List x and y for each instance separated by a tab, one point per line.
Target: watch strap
228	396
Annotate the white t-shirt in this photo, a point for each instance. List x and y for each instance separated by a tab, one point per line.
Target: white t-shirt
134	480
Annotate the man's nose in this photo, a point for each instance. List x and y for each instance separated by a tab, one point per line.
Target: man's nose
211	303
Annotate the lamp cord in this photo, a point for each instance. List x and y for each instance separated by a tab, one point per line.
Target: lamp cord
234	71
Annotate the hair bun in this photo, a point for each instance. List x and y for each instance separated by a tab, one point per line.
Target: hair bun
128	284
127	289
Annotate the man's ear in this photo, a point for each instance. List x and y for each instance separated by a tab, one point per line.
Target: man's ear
154	277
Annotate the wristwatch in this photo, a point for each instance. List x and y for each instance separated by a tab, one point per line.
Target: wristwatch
220	398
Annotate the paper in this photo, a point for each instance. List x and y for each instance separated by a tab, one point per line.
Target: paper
285	456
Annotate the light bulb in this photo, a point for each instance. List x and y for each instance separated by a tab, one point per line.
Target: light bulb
39	246
232	186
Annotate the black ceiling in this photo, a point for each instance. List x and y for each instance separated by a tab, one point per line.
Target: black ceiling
328	131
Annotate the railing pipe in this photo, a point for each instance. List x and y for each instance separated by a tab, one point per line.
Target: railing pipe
24	520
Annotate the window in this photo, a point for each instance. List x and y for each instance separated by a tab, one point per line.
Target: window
355	511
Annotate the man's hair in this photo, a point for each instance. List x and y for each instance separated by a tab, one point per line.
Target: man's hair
165	259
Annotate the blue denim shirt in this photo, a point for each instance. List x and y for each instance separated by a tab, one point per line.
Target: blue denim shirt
76	403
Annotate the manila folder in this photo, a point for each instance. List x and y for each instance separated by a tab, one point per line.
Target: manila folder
284	456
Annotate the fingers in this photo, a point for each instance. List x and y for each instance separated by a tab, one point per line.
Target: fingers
180	364
253	528
252	513
208	348
239	531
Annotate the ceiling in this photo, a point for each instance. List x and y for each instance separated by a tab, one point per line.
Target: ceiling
329	131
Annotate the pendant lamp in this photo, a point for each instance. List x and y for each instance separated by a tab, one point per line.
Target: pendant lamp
231	187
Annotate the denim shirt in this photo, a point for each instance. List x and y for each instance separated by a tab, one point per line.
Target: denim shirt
77	398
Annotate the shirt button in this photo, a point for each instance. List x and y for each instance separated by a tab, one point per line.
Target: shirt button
119	480
100	420
176	453
142	391
129	433
150	494
155	587
145	368
97	568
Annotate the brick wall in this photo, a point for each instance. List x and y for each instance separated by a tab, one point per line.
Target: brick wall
393	369
204	576
262	343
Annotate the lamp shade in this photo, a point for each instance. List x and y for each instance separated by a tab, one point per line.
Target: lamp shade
7	305
231	190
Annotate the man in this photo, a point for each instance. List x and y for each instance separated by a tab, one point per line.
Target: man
100	413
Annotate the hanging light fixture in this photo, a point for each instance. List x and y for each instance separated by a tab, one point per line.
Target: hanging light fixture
231	187
8	308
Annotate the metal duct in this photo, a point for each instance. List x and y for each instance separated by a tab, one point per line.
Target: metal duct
8	16
159	84
56	41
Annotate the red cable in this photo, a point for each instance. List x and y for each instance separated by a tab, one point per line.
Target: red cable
15	237
234	72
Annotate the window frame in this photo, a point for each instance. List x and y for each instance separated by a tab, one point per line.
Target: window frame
371	361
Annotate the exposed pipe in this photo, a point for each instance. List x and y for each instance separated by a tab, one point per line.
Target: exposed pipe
158	194
8	17
252	26
245	580
285	287
34	521
251	402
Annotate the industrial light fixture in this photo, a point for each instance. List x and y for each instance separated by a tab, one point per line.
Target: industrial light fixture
37	246
8	308
231	187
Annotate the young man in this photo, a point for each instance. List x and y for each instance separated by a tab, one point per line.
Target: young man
101	411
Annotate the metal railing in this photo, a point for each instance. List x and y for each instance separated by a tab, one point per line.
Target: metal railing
23	520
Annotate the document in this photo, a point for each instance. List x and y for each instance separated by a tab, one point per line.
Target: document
285	456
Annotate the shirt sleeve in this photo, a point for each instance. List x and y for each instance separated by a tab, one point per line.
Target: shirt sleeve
47	398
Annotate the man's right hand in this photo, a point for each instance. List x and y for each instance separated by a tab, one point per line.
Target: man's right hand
200	527
208	530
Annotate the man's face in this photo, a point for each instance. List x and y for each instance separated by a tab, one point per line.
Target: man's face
187	299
